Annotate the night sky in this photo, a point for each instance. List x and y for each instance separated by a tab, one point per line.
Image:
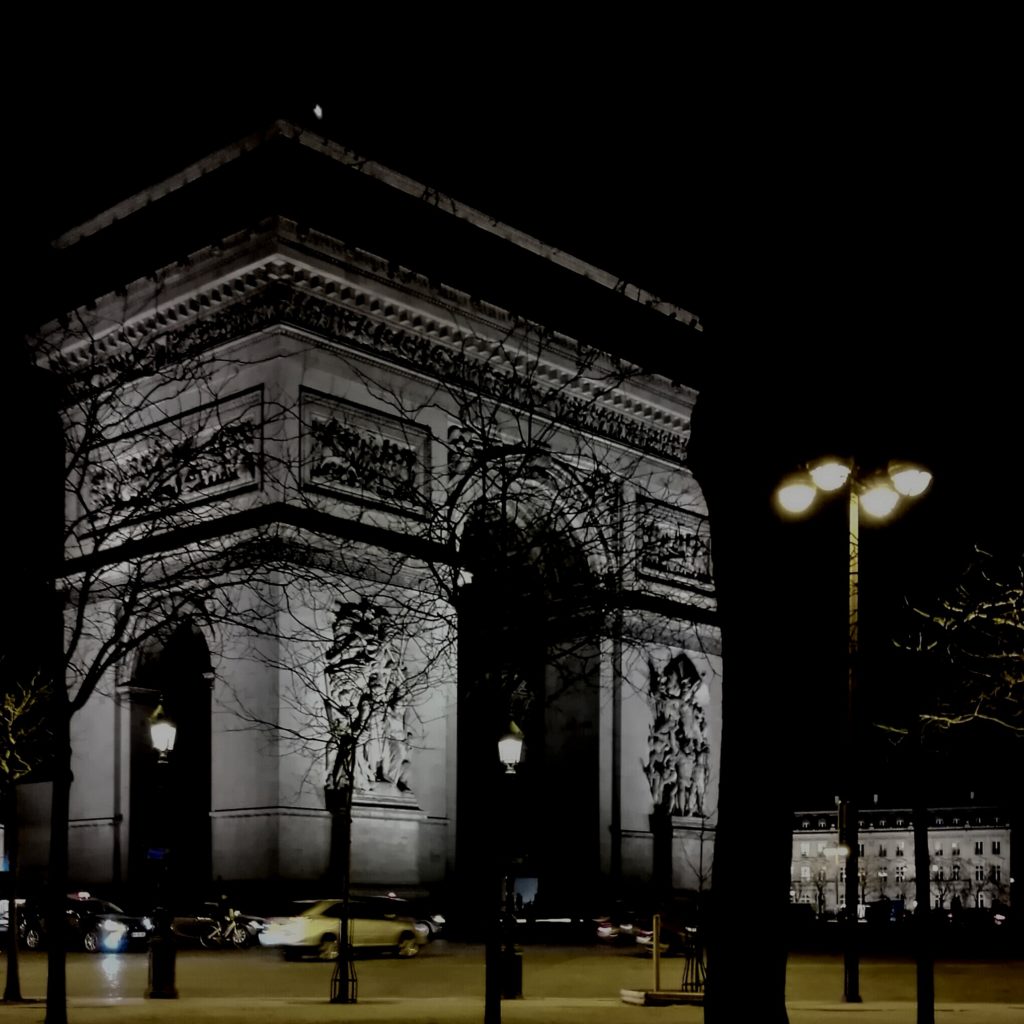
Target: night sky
848	242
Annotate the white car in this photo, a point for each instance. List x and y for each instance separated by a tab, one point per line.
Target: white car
314	931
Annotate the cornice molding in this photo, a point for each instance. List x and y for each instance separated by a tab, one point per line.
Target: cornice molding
279	292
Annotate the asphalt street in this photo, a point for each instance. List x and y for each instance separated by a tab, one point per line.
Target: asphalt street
445	985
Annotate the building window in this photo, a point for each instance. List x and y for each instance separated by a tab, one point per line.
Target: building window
883	850
956	821
806	823
995	847
938	849
979	873
899	823
805	849
900	848
821	850
842	875
822	876
805	873
940	821
996	873
860	849
956	872
822	823
954	848
901	872
940	873
979	848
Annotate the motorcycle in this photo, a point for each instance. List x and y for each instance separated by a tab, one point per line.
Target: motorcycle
230	930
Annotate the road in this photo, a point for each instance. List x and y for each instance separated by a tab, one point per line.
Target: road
445	969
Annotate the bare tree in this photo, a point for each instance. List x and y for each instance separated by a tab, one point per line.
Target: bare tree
973	641
965	652
24	733
160	446
482	455
540	500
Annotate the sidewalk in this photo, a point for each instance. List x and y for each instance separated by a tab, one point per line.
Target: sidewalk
466	1010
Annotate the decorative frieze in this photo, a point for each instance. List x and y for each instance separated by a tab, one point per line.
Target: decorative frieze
434	349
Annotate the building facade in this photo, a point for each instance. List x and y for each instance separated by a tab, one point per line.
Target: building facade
969	859
358	483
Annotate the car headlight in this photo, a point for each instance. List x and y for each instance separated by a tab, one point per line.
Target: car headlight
114	927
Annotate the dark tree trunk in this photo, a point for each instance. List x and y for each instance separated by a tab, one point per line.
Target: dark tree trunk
12	987
344	983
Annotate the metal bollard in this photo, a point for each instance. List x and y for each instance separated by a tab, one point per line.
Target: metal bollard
511	972
162	958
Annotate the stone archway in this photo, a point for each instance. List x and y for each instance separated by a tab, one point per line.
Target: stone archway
169	803
528	654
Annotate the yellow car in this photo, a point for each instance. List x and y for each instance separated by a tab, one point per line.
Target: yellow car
372	928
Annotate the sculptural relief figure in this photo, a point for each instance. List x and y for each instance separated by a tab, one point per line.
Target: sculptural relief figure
370	719
362	460
678	750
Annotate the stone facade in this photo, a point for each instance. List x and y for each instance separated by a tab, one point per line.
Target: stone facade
969	855
438	498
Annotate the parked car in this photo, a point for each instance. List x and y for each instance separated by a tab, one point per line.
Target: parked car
313	930
95	925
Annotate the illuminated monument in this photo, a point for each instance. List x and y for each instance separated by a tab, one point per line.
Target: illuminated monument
443	502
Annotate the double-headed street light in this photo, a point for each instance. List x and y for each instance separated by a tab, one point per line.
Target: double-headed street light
878	495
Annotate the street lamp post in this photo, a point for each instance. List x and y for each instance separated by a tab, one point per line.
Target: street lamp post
162	952
503	965
877	495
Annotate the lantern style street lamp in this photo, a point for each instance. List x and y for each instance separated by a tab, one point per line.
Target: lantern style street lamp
877	495
503	964
162	732
510	749
162	952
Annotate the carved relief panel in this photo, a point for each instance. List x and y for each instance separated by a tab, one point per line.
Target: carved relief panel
209	452
679	753
673	545
364	454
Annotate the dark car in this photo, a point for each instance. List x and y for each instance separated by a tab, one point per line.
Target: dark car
95	925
